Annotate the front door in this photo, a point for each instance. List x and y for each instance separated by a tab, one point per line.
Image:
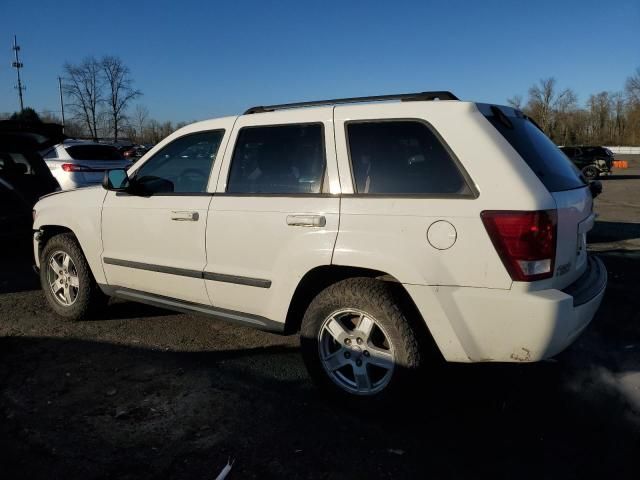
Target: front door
154	238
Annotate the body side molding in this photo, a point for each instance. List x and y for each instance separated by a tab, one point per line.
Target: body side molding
218	277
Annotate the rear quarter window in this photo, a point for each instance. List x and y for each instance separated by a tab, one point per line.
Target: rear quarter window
545	159
402	157
94	152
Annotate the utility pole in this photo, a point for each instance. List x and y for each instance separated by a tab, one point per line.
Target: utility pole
61	101
18	65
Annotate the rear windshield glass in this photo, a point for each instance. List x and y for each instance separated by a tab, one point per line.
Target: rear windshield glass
94	152
547	161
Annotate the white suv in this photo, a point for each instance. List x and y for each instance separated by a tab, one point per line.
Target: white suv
375	228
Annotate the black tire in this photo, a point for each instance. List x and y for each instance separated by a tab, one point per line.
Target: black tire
89	297
590	172
378	300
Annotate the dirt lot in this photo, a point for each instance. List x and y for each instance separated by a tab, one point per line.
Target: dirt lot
145	393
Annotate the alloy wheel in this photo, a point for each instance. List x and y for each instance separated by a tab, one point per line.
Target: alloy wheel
355	352
62	277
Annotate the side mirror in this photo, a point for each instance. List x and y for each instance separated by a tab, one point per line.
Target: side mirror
116	180
595	187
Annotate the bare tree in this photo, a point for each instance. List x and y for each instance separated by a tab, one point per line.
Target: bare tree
119	90
540	99
83	89
600	109
140	117
515	102
563	110
550	108
632	87
632	90
544	101
618	121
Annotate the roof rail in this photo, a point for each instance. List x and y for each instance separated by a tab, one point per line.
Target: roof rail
405	97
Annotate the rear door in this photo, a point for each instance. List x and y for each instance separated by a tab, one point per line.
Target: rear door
561	178
274	216
580	158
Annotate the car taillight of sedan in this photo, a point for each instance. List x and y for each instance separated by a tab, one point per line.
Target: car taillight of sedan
72	167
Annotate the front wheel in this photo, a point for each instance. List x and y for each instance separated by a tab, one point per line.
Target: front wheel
357	343
66	279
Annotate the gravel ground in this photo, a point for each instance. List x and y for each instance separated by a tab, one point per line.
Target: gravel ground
145	393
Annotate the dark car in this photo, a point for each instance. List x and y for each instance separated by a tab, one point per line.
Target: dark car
593	161
136	152
24	178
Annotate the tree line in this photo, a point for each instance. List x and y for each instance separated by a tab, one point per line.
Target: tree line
606	118
100	96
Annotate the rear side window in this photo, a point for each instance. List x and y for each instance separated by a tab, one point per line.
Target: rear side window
547	161
597	151
94	152
402	157
14	164
281	159
51	154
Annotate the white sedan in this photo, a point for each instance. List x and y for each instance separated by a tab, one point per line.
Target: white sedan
77	164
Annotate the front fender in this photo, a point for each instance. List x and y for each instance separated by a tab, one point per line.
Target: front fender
80	212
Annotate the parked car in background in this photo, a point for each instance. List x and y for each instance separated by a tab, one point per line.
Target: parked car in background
136	152
76	163
593	161
121	148
24	178
370	228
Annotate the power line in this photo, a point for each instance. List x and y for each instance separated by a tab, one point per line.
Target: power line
18	65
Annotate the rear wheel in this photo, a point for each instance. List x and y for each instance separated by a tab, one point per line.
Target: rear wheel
590	172
66	279
356	341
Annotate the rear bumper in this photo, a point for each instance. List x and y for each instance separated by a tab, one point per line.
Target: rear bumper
592	282
491	325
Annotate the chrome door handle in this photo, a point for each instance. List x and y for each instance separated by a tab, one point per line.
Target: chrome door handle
185	216
306	220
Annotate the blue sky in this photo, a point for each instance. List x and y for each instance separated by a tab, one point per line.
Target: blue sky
196	60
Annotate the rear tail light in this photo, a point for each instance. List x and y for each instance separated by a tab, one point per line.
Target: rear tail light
525	241
72	167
